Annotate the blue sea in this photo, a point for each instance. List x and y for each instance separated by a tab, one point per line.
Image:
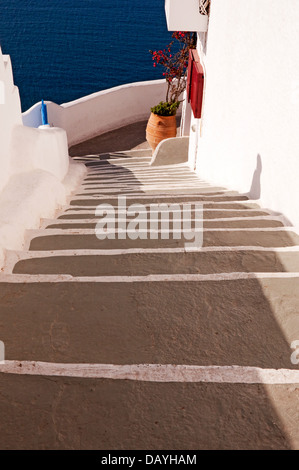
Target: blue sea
62	50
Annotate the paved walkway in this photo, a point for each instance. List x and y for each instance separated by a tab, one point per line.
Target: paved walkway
142	344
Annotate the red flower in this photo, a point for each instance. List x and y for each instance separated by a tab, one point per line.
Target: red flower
175	63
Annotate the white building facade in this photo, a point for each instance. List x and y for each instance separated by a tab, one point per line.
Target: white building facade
248	136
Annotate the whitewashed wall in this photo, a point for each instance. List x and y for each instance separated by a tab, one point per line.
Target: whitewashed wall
10	115
249	134
23	149
102	111
36	176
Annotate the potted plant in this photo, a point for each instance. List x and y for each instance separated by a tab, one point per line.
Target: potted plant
174	60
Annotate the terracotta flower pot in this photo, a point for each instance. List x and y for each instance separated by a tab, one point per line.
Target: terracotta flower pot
160	128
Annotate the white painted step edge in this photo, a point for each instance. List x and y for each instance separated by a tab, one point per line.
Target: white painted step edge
67	278
156	372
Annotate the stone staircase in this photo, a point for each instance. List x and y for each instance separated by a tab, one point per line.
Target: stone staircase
173	323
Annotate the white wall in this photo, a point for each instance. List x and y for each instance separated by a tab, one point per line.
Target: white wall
250	127
43	149
36	176
10	115
102	111
22	148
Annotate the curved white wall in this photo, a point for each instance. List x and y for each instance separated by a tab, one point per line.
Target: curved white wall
102	111
249	132
10	116
43	149
23	149
35	171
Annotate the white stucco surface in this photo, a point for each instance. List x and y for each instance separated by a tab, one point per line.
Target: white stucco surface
36	175
101	112
248	139
10	115
184	16
45	149
30	197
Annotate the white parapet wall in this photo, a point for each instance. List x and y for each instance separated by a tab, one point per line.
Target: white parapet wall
36	175
101	112
43	149
23	149
10	115
248	138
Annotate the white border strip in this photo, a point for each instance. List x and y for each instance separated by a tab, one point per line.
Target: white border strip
257	218
46	232
192	197
156	372
61	278
92	209
124	251
159	188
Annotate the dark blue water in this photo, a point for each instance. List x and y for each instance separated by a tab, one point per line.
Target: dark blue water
62	50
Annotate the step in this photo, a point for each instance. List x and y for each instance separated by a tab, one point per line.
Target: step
230	202
122	172
122	186
120	155
163	188
164	185
140	153
77	213
125	163
140	179
252	322
100	414
51	239
146	263
222	223
139	156
146	174
107	158
84	205
118	182
112	169
152	192
111	182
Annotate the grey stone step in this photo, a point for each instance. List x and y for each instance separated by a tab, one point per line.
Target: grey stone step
77	213
120	173
251	323
144	264
153	193
129	167
146	153
139	174
157	177
106	161
149	192
57	413
128	137
132	181
139	192
84	203
263	238
138	156
207	224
